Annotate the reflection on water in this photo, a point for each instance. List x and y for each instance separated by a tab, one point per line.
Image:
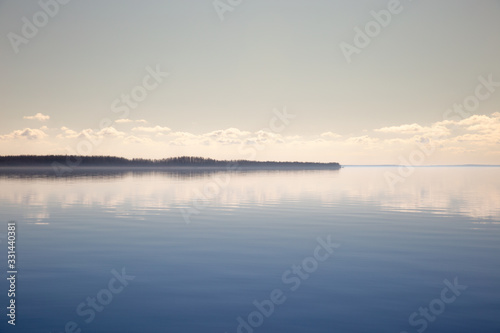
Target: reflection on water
397	247
473	192
110	172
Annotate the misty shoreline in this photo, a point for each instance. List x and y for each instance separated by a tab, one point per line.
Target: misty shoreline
69	163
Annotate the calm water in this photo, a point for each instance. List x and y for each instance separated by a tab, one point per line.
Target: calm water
203	247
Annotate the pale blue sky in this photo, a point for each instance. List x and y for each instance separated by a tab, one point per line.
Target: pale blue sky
266	54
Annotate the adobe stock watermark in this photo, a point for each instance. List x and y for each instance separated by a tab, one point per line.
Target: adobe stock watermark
30	27
212	189
364	36
122	106
93	305
483	91
486	87
139	93
425	315
292	278
223	6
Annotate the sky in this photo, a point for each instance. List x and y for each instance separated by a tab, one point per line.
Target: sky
356	82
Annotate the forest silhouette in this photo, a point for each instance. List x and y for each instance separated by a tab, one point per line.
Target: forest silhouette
182	161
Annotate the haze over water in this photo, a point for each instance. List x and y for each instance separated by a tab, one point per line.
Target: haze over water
397	247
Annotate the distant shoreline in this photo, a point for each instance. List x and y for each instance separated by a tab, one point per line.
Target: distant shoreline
170	168
68	163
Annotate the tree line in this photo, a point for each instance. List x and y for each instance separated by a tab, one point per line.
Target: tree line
48	160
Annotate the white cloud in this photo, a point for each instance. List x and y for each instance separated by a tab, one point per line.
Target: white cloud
475	139
69	132
134	139
183	139
107	132
264	137
412	129
226	136
155	129
437	129
362	140
125	121
110	132
39	116
27	133
482	124
330	135
232	133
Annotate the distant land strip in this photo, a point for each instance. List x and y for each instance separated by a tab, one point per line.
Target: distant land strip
77	161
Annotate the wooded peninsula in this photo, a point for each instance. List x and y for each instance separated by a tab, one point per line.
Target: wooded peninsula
75	161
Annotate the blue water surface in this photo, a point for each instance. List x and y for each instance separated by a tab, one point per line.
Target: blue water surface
195	252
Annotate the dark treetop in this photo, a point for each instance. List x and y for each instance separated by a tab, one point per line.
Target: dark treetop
174	162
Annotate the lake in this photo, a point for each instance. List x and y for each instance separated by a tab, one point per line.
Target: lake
258	251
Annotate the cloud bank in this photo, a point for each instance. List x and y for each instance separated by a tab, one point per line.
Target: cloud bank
475	139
